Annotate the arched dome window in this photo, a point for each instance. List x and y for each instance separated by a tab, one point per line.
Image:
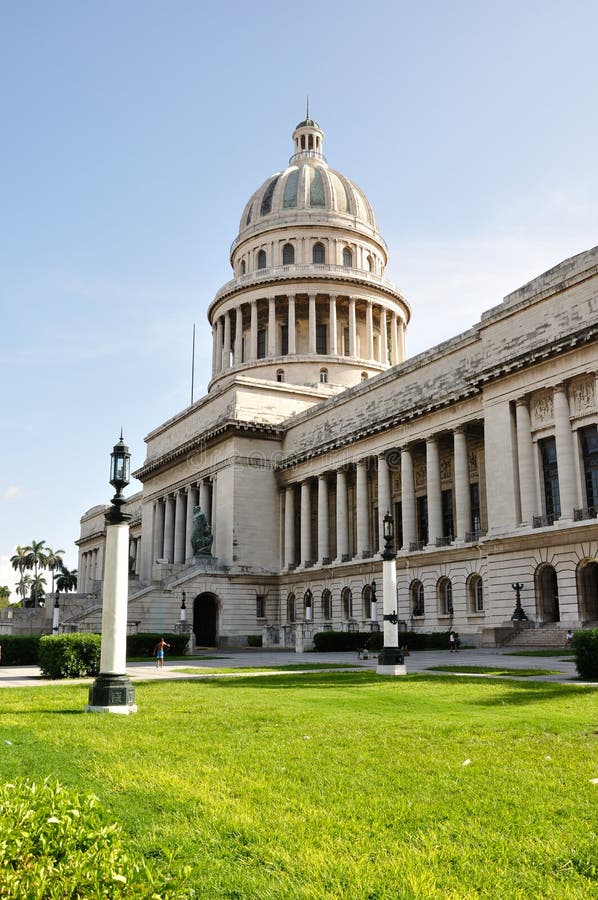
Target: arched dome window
291	608
369	264
319	254
347	258
347	603
261	259
323	376
243	267
326	605
288	255
280	375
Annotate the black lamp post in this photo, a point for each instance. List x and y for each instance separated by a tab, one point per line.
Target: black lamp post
112	690
183	614
55	614
391	660
519	613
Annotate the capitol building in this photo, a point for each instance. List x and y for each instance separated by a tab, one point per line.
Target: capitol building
315	424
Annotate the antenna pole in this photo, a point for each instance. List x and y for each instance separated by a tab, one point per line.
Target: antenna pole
192	363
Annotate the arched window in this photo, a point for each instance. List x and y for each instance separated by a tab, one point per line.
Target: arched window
416	591
288	255
280	375
347	603
445	597
475	593
547	594
319	254
366	600
243	267
291	608
347	257
326	605
261	259
308	606
369	264
323	376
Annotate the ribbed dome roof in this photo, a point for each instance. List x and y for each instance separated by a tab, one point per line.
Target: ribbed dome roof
307	187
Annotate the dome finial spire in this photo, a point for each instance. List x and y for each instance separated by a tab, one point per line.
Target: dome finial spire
307	108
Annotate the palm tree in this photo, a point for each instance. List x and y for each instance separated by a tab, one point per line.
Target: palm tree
19	563
4	595
36	556
66	581
38	590
22	588
53	562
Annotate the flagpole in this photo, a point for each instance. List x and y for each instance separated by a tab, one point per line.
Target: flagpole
192	364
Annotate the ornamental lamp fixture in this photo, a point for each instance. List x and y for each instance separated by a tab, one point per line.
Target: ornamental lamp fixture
120	475
388	532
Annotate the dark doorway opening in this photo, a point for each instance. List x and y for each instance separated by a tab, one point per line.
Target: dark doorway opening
205	620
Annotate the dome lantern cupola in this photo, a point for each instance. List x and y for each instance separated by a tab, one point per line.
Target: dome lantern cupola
308	138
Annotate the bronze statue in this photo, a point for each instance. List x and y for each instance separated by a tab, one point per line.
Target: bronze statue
201	534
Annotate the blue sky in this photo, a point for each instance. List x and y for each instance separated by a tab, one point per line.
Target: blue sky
133	134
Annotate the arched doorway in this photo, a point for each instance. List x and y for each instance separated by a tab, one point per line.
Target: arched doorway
205	620
587	590
547	594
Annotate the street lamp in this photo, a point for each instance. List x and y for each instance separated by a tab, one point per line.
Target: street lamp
391	660
112	690
183	616
373	605
55	614
519	613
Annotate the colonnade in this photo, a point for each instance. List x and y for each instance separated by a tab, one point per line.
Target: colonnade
173	521
90	569
377	335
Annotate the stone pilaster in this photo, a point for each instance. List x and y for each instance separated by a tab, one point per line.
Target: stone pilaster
323	523
342	515
363	518
408	498
462	495
433	490
528	490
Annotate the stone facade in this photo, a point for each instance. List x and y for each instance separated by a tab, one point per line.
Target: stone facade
485	448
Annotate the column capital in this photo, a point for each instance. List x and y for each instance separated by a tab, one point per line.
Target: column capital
522	401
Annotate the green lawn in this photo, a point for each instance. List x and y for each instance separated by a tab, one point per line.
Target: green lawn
336	785
493	670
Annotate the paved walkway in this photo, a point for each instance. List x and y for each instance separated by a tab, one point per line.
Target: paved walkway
419	661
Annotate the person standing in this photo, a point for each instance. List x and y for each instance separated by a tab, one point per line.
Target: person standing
452	641
159	652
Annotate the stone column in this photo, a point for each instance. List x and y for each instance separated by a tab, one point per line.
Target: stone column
169	530
342	515
408	498
253	331
179	527
271	327
369	330
323	523
433	490
352	328
147	541
214	332
289	526
462	494
528	490
394	341
238	354
218	344
291	326
332	340
305	522
82	580
383	337
564	452
191	504
402	353
138	556
312	323
226	346
384	498
362	508
159	513
205	500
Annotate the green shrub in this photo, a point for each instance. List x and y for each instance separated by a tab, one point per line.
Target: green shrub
585	649
254	640
19	649
143	644
70	655
57	844
338	641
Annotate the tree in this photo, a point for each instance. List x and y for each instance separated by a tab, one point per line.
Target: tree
66	581
38	590
19	563
53	562
4	595
37	555
22	588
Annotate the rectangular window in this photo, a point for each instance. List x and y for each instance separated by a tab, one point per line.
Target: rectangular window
447	514
284	340
322	339
346	348
260	606
550	477
261	343
474	495
422	519
589	449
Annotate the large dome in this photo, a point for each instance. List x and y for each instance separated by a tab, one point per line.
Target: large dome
307	189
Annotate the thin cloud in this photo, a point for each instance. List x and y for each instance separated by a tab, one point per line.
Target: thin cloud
12	492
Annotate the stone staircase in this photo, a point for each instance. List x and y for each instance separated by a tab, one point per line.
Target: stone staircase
542	636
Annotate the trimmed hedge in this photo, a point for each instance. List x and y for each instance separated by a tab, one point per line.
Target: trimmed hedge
338	641
57	843
254	640
143	644
70	655
585	648
19	649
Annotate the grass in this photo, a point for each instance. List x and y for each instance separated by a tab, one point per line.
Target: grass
335	785
303	667
493	670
